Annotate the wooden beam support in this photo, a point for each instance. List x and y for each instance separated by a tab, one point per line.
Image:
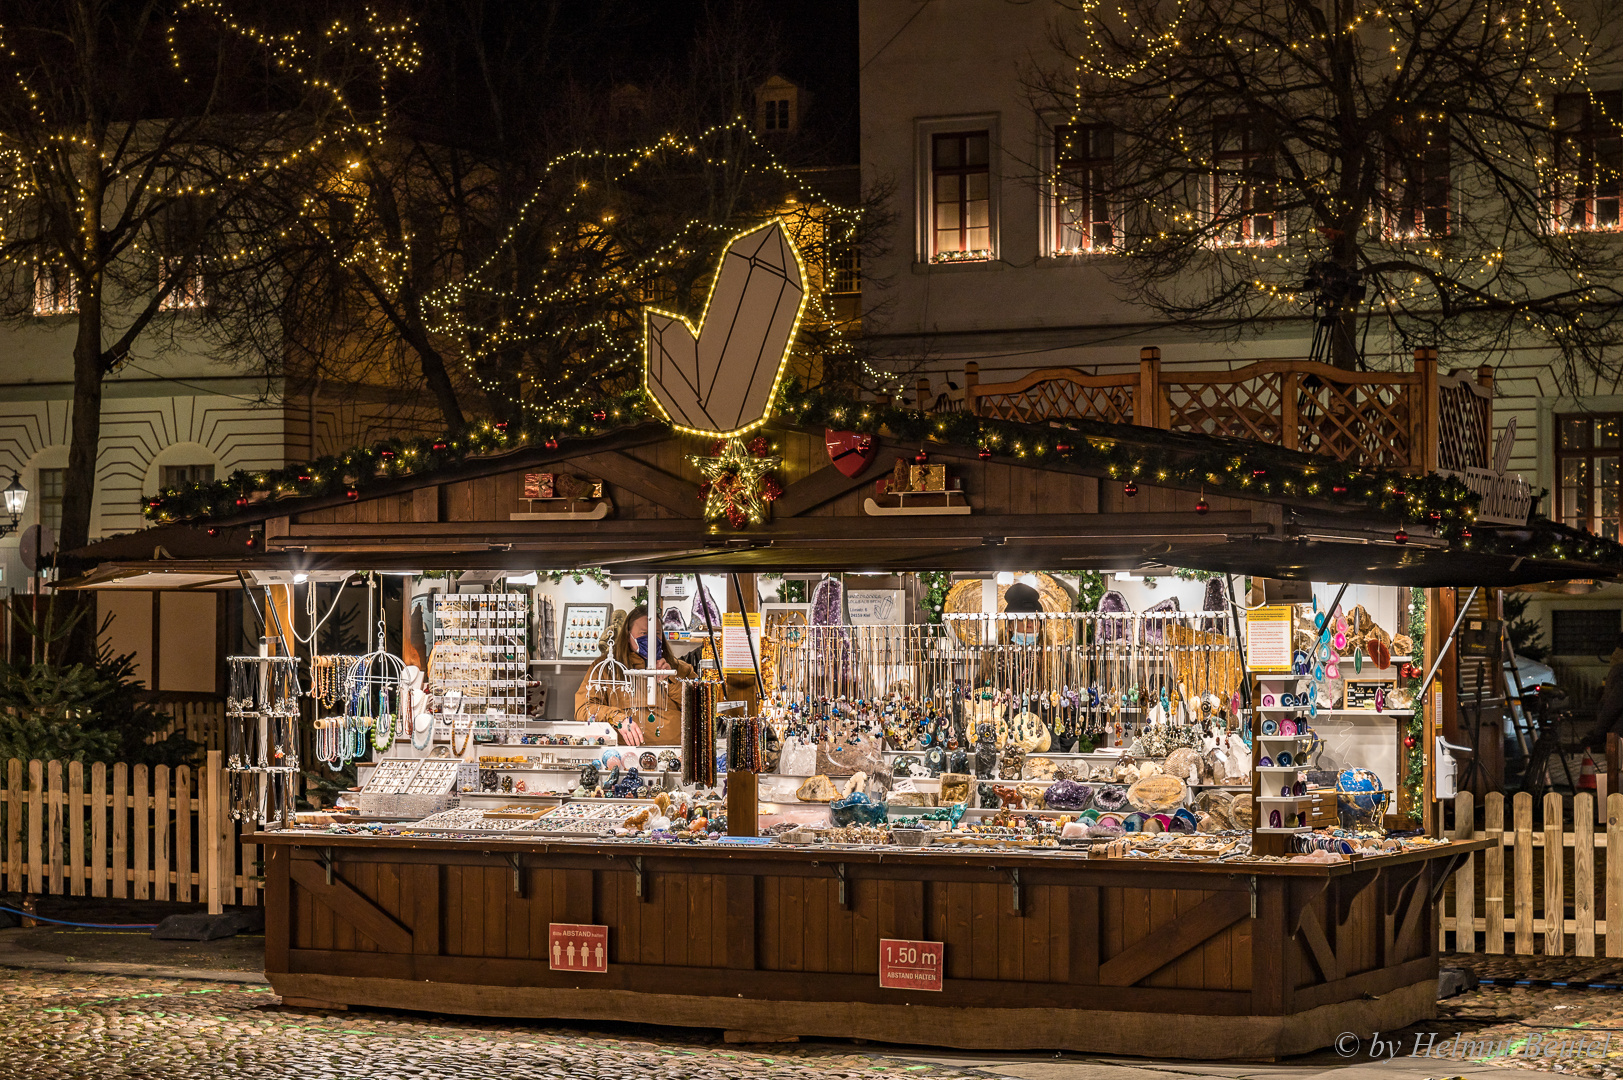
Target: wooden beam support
1166	943
346	903
667	490
825	484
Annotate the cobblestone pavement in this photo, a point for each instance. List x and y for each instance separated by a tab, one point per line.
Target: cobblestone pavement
110	1027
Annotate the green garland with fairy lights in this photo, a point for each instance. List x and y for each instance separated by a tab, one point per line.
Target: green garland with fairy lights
1120	452
936	584
1414	762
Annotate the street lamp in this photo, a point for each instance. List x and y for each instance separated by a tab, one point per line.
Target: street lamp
16	500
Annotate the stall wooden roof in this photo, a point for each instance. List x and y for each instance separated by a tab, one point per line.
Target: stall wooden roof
1054	515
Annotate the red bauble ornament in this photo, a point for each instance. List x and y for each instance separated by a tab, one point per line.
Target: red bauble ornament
552	444
600	415
1129	489
439	444
1465	533
1258	474
759	447
1400	537
1408	742
1399	492
213	531
386	454
1062	448
920	458
1201	507
242	501
251	542
1338	489
986	453
1435	515
304	478
352	494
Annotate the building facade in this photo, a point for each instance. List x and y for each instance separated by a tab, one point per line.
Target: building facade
1002	254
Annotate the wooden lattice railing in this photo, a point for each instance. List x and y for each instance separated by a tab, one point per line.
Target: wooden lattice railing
1410	420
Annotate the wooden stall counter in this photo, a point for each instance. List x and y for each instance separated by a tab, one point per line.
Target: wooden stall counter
1121	956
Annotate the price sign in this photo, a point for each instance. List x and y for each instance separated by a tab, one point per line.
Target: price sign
1268	639
909	965
578	947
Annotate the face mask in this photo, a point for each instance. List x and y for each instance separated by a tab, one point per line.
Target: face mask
642	646
1025	638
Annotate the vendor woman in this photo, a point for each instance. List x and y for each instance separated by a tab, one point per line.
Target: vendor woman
659	724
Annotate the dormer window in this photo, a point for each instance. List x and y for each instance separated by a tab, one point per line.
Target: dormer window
777	106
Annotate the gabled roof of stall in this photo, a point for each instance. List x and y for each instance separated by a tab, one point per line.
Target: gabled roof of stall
1050	496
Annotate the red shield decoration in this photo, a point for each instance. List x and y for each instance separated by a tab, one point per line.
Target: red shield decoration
850	451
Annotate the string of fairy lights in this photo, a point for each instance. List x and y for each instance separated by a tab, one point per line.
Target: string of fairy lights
1443	506
1472	255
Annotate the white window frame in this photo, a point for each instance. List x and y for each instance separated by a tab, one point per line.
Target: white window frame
1392	226
190	295
56	291
1214	190
1049	205
925	131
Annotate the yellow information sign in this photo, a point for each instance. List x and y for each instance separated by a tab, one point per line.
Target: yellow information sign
736	656
1268	640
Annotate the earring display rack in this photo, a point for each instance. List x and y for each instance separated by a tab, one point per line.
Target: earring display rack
481	649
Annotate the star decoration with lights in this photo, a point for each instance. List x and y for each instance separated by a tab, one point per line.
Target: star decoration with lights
738	481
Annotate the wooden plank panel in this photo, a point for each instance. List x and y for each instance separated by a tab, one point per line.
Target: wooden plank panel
1465	877
1614	874
1493	881
76	828
740	921
1040	937
184	891
1522	899
343	931
1011	951
471	911
425	896
14	827
983	929
354	909
322	931
303	911
54	797
1217	913
451	919
793	899
768	914
651	919
678	932
1555	900
120	882
1163	911
865	928
1583	874
841	927
98	829
1082	958
819	896
1268	991
959	958
362	877
1189	970
141	830
498	886
162	818
278	886
36	827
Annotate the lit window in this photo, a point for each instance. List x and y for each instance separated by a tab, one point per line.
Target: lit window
1243	183
188	293
177	476
1589	161
961	197
50	485
1587	453
56	291
1419	189
1084	155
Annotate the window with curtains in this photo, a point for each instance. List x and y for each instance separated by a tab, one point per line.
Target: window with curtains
1243	203
1588	452
1419	189
56	291
1084	220
1588	183
961	197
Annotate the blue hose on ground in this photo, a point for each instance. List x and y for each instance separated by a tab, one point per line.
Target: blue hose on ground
86	925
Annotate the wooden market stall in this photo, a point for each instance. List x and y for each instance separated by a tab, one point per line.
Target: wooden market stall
1249	959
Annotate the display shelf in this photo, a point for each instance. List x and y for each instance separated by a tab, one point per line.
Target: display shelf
1335	712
